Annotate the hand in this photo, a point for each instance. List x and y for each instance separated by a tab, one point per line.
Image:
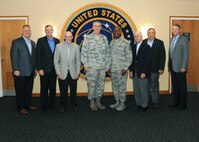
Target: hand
77	75
182	70
107	69
131	74
123	72
160	72
59	76
41	72
143	75
16	73
86	69
109	73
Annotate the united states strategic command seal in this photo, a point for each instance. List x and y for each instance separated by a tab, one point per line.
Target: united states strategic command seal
80	24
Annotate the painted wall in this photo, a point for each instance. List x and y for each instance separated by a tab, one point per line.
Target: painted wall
145	14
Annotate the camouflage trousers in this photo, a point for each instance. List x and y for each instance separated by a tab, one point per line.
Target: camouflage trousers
95	82
119	85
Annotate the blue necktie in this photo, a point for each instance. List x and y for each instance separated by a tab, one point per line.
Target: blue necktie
172	45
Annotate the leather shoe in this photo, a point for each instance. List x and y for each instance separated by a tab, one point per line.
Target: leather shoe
33	108
137	107
155	105
23	111
44	110
75	108
181	107
62	109
144	109
51	106
174	106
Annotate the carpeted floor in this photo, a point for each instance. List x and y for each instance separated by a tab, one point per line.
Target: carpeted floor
163	124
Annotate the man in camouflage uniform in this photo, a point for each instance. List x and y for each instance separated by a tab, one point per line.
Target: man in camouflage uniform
121	58
95	57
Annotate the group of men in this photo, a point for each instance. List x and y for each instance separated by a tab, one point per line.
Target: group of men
51	59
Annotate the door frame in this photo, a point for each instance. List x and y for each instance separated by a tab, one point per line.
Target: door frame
171	18
26	18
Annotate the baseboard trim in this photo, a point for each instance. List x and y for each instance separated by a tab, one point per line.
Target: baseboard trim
163	92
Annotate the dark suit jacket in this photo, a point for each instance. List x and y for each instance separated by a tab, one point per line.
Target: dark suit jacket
44	55
141	61
157	55
21	59
180	54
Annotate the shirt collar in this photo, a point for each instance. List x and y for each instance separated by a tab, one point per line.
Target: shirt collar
138	44
176	37
25	38
50	39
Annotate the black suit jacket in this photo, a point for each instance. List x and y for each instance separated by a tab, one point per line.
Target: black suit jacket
21	59
44	55
141	61
157	55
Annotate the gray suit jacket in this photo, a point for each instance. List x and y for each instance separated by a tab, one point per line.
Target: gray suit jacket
180	54
21	59
63	63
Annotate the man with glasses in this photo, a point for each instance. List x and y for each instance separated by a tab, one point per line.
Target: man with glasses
67	65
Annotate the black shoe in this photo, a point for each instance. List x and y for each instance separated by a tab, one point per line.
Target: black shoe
155	105
44	110
137	107
174	106
62	110
75	108
181	107
144	109
51	106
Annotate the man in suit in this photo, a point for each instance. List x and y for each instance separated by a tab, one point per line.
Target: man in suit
44	57
157	64
140	71
178	64
67	65
23	65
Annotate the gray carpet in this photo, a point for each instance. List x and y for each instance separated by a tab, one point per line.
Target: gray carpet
163	124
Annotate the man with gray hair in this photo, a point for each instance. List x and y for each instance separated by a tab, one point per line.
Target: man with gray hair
140	71
95	57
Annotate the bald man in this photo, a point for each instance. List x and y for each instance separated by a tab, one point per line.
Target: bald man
140	71
67	65
121	58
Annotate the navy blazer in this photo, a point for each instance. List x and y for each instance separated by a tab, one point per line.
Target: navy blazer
158	56
21	59
44	55
141	61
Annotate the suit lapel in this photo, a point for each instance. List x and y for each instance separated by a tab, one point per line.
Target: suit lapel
24	43
177	42
139	48
46	41
153	45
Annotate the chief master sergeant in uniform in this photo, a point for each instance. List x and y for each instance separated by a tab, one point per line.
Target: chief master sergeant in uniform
96	60
121	58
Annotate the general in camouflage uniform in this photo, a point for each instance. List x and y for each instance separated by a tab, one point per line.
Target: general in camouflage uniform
121	59
96	60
